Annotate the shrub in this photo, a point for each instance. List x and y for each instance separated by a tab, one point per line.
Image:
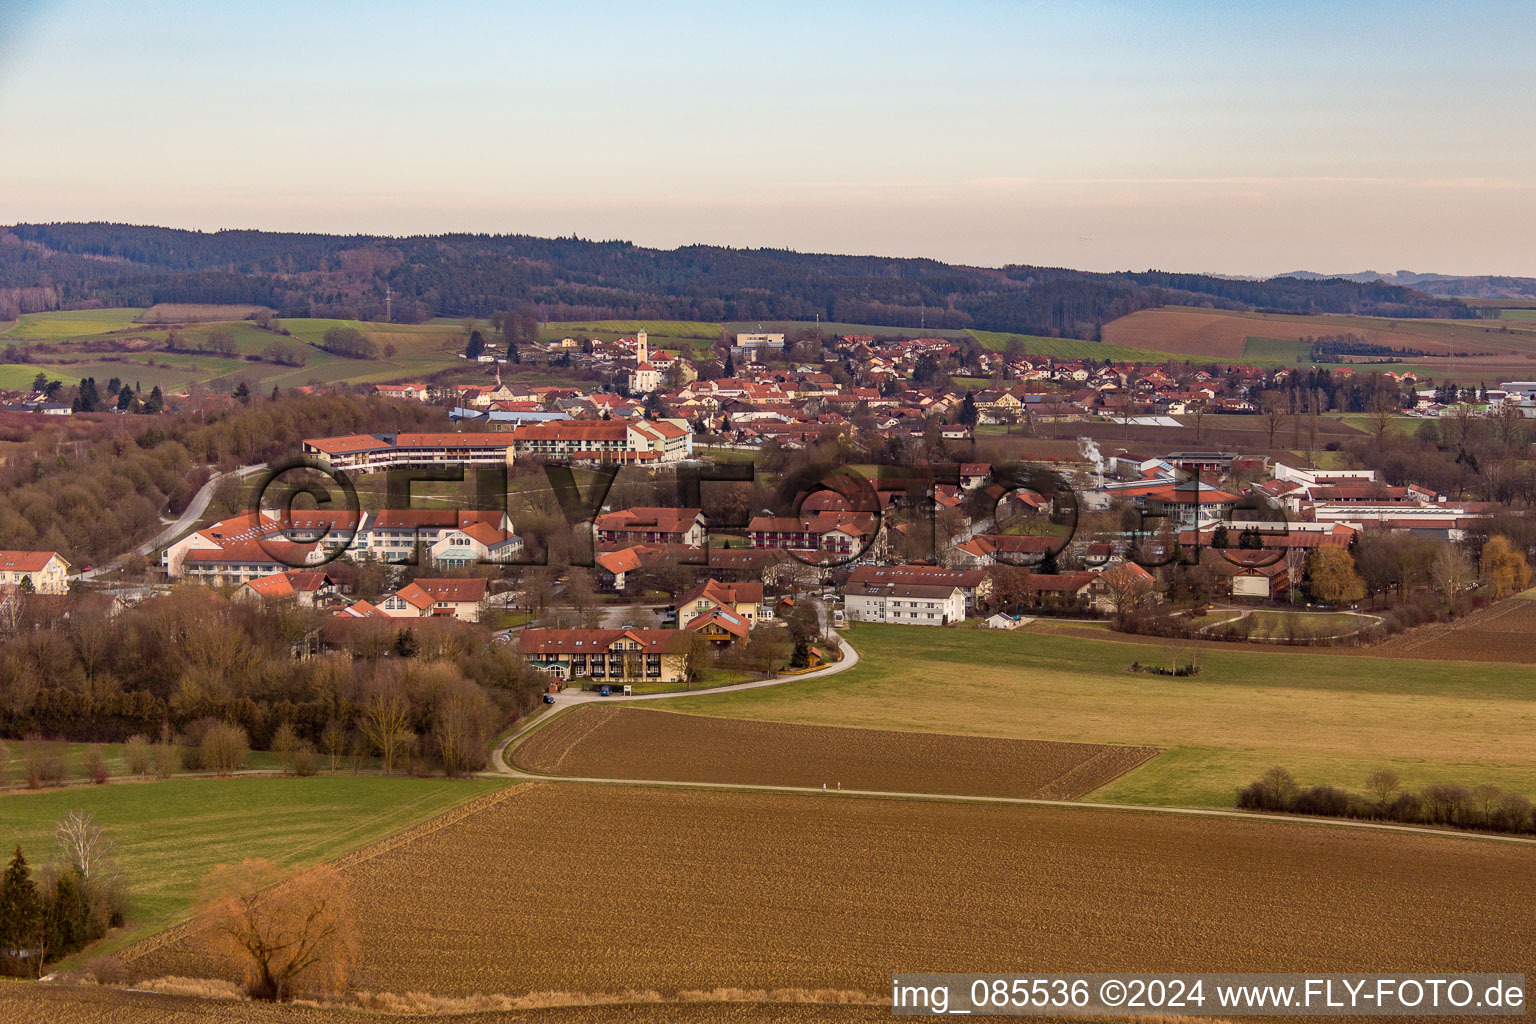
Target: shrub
45	764
167	760
1324	800
139	754
306	761
95	764
224	748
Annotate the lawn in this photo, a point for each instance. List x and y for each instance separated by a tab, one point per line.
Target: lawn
168	835
1327	718
1277	624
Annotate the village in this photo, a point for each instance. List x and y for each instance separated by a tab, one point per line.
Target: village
913	527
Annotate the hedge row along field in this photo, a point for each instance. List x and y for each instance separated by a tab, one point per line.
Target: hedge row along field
595	741
588	888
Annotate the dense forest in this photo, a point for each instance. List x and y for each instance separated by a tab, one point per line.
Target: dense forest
53	266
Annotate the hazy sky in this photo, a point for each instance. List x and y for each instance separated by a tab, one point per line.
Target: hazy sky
1235	137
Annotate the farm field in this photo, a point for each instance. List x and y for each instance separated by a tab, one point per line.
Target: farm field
25	1003
1328	718
19	376
1066	348
595	741
1224	335
1504	632
169	834
126	343
543	886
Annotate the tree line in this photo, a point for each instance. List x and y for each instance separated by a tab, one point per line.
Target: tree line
214	678
1482	807
68	904
573	279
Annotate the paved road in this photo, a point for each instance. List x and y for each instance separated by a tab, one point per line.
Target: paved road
570	698
850	658
194	511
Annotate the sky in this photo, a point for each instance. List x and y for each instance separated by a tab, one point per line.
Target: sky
1243	138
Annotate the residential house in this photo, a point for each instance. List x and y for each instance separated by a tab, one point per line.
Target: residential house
45	571
461	599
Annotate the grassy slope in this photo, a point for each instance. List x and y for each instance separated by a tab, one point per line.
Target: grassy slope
19	377
1068	348
421	349
1329	719
169	834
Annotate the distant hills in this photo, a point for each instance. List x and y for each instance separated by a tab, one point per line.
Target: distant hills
1475	287
409	279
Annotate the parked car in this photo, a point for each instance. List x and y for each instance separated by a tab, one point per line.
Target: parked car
549	698
606	691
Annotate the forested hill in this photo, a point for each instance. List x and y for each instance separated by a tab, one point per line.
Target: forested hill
49	266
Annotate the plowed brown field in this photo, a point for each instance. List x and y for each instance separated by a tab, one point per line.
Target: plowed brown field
589	888
22	1003
1222	333
1503	632
594	741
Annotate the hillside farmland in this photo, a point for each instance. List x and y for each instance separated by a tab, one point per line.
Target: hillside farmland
1331	719
540	888
633	743
1495	348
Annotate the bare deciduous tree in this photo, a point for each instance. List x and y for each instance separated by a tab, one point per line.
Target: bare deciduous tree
289	936
83	842
386	723
1382	784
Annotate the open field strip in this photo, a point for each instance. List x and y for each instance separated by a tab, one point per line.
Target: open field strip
24	1003
169	834
1327	718
539	888
615	740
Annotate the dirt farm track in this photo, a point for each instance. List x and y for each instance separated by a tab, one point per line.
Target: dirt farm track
584	888
597	741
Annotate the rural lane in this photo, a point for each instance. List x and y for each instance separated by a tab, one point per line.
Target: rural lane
500	768
571	698
194	511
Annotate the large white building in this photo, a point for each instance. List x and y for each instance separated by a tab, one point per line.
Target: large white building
912	604
633	442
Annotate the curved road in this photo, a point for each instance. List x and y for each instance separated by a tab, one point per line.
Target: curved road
850	658
571	698
184	522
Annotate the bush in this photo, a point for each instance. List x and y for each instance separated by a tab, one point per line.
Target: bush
306	761
95	764
167	760
45	764
224	748
139	754
1444	803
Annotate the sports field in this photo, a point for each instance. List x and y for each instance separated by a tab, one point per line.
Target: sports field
1327	718
168	835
